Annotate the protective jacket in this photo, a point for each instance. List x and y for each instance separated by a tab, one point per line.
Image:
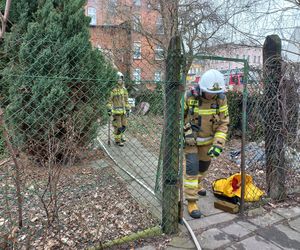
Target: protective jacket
118	101
209	117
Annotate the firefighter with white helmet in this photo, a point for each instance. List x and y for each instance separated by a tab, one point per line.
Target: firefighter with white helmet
205	132
118	106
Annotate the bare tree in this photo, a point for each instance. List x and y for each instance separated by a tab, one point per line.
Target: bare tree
4	18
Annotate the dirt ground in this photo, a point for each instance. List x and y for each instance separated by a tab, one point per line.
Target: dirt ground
94	206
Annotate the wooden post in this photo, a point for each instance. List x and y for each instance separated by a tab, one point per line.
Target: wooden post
274	135
171	139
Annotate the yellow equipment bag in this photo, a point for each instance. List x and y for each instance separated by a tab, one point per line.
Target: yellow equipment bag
230	188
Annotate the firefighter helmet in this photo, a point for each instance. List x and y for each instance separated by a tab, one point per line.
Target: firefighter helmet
212	81
120	75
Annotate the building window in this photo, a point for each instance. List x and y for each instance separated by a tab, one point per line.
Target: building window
137	22
159	26
137	75
159	53
91	12
153	5
112	7
244	57
137	3
237	56
157	76
137	50
248	58
258	60
254	59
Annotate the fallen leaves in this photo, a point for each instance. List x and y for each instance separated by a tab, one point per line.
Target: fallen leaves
94	206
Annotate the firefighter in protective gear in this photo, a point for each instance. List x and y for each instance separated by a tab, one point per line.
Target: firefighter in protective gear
205	131
119	108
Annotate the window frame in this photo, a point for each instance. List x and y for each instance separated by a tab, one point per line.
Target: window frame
159	49
137	72
138	45
159	74
92	13
160	29
137	5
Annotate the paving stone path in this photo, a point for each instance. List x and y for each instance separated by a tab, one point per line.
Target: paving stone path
137	166
279	229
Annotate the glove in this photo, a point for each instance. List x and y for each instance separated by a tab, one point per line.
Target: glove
109	112
189	135
214	151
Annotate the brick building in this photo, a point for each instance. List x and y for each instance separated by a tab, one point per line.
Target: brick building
131	33
252	54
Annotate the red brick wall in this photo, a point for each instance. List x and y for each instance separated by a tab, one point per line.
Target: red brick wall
120	41
116	40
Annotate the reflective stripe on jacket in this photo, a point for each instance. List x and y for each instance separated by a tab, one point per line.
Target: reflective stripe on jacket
118	101
211	117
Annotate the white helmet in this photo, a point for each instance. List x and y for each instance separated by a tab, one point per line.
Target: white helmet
120	75
212	81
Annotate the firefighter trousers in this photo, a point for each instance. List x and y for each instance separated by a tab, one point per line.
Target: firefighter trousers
197	164
120	125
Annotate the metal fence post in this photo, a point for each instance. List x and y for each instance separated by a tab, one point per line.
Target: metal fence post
171	139
274	136
244	131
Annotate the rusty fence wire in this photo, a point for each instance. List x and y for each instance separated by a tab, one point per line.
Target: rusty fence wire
273	125
65	183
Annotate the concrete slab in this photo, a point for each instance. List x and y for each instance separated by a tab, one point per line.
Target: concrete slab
146	248
282	236
288	213
266	219
175	248
135	160
208	221
206	205
247	225
213	238
295	224
254	243
182	243
256	211
235	230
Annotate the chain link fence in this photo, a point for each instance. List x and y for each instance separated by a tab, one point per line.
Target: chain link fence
272	148
65	183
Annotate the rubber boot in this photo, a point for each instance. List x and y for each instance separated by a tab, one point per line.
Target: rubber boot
194	210
202	192
119	143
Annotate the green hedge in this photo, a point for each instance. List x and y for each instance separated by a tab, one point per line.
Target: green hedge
235	103
154	98
255	110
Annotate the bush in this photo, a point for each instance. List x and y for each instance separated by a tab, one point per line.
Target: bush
58	84
255	125
154	98
235	104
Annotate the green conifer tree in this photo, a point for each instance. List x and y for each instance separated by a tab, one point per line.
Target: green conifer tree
58	83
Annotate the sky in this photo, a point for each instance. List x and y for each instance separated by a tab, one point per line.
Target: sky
264	18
